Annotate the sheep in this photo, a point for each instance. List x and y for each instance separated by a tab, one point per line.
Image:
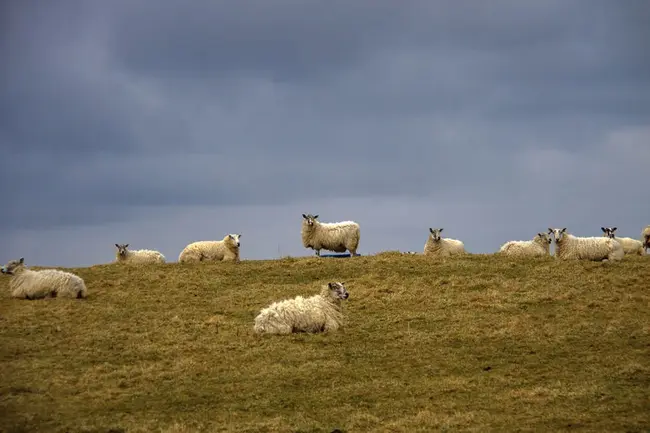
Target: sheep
28	284
124	255
437	246
630	246
318	313
645	238
540	246
226	249
568	246
337	237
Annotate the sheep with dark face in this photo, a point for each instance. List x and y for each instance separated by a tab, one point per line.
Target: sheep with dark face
337	237
124	255
630	246
318	313
227	249
438	246
568	246
28	284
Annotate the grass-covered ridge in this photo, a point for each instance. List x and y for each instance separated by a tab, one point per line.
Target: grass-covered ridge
479	343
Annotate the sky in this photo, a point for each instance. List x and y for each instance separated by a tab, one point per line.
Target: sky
159	123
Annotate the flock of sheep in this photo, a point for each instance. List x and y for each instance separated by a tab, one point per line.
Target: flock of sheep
322	312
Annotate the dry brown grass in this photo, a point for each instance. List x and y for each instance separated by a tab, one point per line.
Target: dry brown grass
479	343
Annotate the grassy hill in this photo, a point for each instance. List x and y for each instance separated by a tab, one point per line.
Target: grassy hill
480	343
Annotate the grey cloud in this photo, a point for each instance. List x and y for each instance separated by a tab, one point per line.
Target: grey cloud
498	117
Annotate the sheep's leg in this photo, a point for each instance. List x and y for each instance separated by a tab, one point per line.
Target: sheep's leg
53	293
318	253
353	252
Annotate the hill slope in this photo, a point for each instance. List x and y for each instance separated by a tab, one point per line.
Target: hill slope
478	343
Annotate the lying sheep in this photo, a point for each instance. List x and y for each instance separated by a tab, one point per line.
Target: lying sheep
630	246
226	249
645	238
28	284
124	255
539	246
337	237
319	313
568	246
438	246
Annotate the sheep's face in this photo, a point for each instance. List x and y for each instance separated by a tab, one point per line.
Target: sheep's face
122	249
435	234
558	234
338	290
545	238
235	238
310	219
608	232
11	267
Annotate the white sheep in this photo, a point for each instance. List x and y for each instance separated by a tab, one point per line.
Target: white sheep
137	257
539	246
568	246
645	238
318	313
436	245
630	246
28	284
226	249
337	237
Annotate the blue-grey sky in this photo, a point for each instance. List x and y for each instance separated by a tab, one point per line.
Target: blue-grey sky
159	123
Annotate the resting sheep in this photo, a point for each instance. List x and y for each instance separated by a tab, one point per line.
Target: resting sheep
630	246
337	237
226	249
136	257
645	238
539	246
568	246
441	247
28	284
318	313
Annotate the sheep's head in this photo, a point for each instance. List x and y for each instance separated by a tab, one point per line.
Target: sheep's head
310	219
234	238
608	232
558	234
435	234
338	290
544	238
122	249
13	266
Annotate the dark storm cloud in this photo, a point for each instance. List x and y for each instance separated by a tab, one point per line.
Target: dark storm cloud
106	107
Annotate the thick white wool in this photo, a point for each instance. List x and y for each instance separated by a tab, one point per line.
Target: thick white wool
336	237
539	246
226	249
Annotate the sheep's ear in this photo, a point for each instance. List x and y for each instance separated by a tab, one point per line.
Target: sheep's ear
304	216
431	230
329	285
315	216
604	229
22	260
563	230
440	230
239	235
540	235
550	230
613	229
126	245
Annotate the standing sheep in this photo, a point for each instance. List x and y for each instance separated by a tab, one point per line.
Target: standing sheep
437	246
337	237
137	257
645	238
568	246
226	249
539	246
28	284
630	246
318	313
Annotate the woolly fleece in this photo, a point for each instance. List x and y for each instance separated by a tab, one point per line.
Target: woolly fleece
226	249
